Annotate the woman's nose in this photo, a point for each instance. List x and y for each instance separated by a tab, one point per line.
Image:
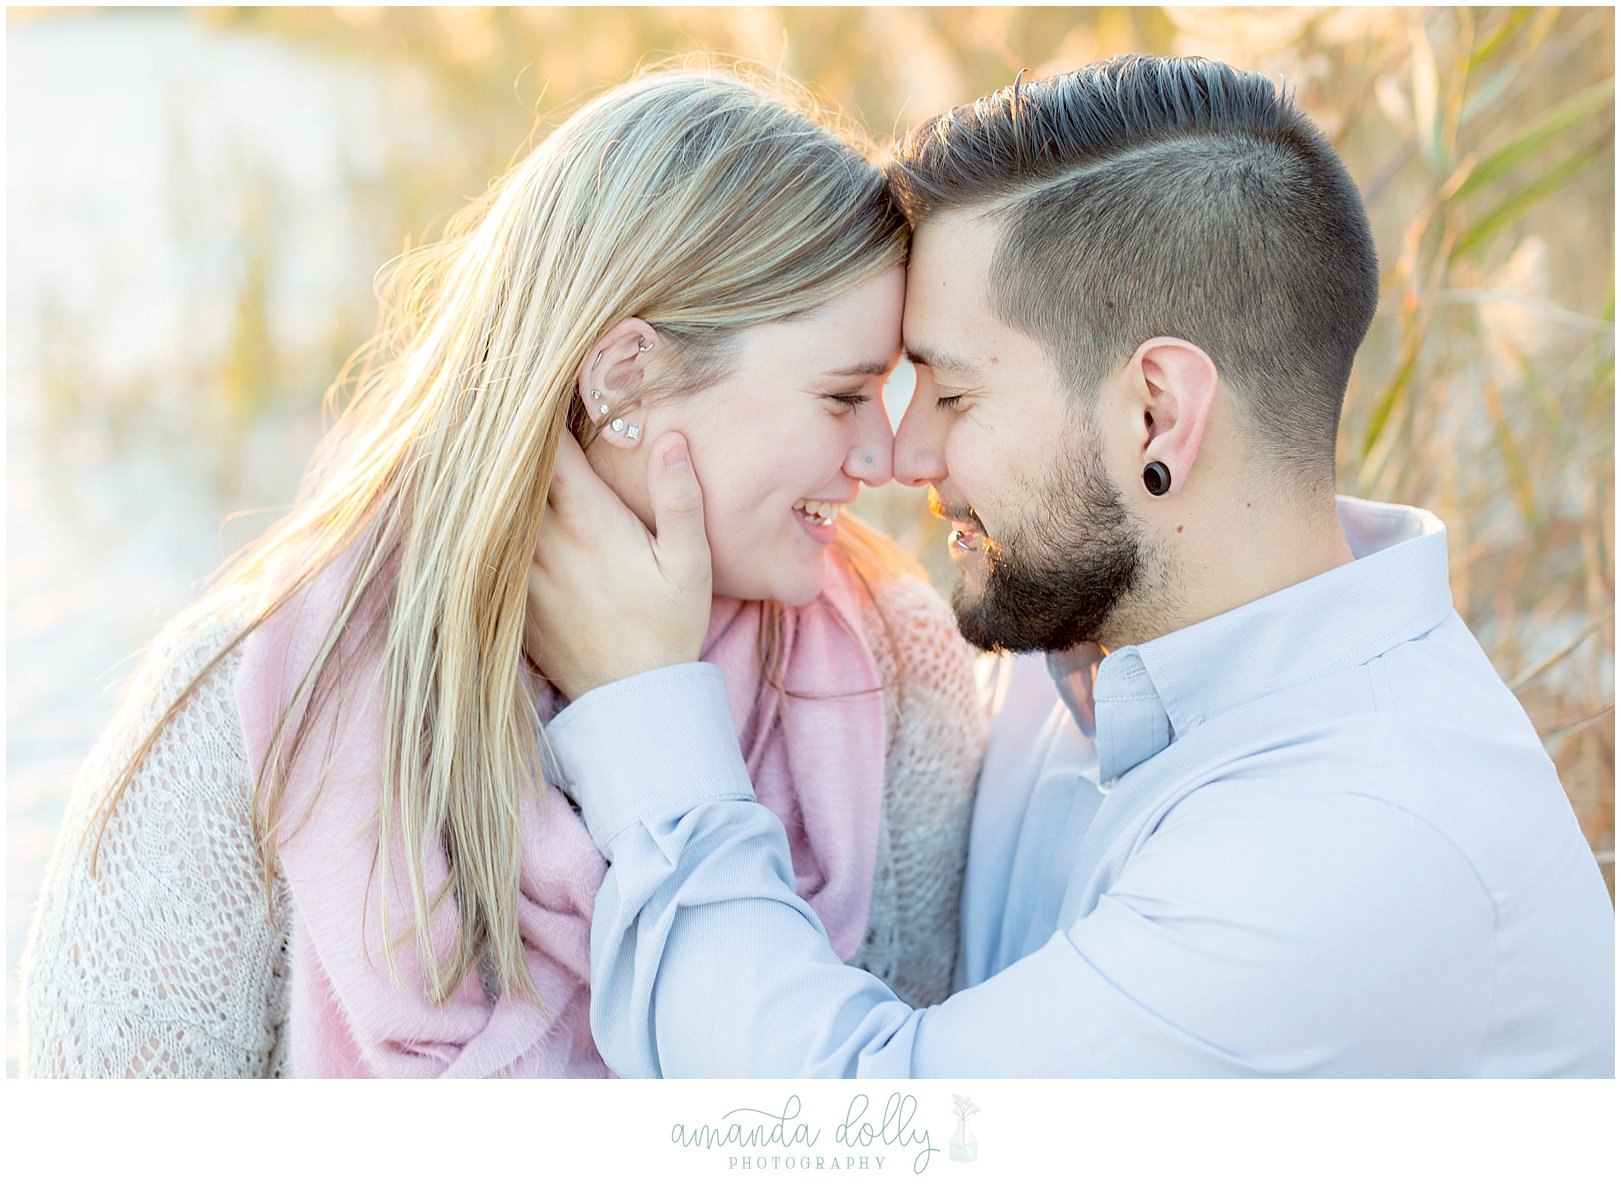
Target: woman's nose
872	457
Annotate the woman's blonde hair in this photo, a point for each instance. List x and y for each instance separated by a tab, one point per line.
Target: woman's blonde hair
700	201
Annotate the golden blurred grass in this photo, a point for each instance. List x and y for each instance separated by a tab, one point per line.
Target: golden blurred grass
1482	139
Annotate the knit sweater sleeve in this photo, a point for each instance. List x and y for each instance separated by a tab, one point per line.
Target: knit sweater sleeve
167	960
936	738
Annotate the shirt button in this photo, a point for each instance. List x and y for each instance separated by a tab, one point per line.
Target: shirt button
1109	784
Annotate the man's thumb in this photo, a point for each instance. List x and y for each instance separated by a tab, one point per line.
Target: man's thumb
678	503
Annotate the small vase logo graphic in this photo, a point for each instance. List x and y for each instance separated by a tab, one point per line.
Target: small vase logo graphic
963	1144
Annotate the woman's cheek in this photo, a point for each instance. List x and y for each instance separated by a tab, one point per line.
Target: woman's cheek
734	517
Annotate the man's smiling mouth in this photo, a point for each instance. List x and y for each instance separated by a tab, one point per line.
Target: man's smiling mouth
967	530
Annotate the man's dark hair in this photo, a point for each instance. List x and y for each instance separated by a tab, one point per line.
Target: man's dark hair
1150	196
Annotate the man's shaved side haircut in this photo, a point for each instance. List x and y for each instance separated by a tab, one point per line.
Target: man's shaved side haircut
1152	196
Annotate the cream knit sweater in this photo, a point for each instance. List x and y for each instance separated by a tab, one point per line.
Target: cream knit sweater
169	962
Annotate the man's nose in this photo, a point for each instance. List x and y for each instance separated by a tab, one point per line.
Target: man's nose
920	456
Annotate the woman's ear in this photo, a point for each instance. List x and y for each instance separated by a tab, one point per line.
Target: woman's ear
1174	384
611	376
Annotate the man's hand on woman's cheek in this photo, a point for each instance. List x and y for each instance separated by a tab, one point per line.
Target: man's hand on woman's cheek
607	599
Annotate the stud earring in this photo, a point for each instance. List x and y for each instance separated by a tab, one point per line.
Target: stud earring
617	425
597	396
632	432
1157	478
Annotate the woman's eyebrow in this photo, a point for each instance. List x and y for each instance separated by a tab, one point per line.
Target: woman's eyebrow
869	368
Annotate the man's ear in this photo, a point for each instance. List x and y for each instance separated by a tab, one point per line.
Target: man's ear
1174	384
610	378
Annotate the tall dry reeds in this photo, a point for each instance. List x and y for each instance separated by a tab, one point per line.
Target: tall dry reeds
1482	138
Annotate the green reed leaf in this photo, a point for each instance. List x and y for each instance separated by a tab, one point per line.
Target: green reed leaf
1390	399
1523	200
1565	117
1498	39
1488	92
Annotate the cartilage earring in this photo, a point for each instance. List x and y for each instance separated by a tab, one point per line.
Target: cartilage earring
597	396
641	346
1157	478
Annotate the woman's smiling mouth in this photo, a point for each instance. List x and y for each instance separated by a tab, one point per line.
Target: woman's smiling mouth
818	511
817	518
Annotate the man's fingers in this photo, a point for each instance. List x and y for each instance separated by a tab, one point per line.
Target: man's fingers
570	474
678	510
578	502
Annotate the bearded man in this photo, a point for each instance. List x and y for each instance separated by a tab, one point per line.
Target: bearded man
1255	802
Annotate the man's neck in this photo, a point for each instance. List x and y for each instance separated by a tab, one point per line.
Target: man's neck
1255	550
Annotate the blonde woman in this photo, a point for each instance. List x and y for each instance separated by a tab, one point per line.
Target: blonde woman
321	836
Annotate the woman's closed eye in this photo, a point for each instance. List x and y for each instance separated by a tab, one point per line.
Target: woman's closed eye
851	400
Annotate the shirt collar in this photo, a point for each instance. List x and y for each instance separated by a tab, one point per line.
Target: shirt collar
1136	700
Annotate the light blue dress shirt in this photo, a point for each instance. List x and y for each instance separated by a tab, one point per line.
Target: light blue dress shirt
1315	835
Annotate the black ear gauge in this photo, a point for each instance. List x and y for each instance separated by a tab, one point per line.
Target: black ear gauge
1157	478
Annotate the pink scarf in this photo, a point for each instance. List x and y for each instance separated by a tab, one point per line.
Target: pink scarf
818	766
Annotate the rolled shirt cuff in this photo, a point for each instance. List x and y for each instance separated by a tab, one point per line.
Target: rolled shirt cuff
649	747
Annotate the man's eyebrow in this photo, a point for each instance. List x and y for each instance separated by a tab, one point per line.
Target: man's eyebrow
939	361
872	367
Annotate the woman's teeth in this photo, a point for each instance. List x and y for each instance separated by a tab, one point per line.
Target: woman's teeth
818	511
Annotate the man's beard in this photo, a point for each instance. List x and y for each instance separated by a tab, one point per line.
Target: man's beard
1054	580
